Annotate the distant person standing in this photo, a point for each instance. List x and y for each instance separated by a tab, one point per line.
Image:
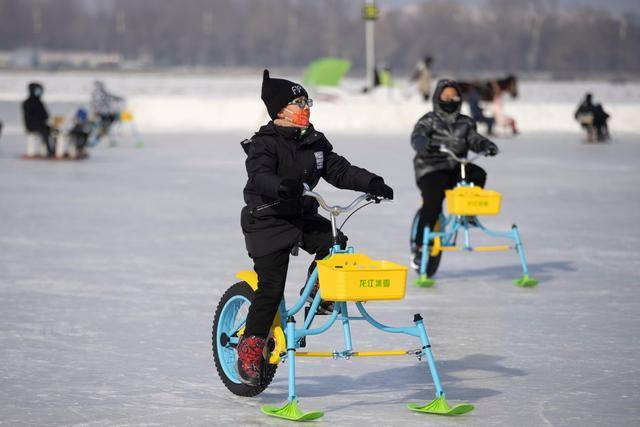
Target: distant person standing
600	118
422	74
592	118
105	106
585	106
36	118
477	113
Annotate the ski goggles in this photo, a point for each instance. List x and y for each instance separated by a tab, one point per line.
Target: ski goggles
302	102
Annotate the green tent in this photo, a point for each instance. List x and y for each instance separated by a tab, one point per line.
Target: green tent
326	72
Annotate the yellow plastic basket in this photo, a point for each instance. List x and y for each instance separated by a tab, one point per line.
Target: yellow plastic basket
472	201
356	277
126	116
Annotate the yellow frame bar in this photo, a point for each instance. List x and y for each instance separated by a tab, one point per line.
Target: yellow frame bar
354	354
492	248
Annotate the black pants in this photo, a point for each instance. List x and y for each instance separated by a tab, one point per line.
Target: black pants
106	120
45	135
272	274
79	138
602	130
433	185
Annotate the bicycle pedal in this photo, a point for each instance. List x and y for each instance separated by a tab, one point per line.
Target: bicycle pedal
319	311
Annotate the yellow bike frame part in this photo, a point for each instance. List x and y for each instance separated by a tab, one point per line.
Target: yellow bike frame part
354	354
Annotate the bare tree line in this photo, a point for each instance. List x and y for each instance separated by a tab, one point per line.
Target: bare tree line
513	35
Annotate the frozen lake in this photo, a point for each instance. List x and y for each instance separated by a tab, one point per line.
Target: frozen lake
110	270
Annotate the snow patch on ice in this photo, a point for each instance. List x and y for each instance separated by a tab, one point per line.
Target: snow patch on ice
176	103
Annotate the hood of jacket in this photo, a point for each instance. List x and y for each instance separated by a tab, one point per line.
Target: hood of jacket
33	87
442	84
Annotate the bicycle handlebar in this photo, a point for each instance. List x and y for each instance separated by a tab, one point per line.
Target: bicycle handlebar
337	210
464	161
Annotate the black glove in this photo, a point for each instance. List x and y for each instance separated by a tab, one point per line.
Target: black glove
490	148
433	147
378	188
290	189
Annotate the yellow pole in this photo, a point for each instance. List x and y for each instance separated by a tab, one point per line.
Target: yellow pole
355	353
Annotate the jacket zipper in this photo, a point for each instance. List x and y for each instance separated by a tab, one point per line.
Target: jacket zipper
266	205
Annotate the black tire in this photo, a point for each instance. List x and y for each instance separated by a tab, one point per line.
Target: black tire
434	261
433	264
240	389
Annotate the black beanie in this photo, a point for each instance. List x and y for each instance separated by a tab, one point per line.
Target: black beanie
277	93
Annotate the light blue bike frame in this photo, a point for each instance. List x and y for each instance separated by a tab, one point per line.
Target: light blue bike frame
454	223
341	313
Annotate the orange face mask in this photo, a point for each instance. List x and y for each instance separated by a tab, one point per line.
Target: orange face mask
300	118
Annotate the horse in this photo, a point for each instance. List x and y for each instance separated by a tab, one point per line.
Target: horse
488	89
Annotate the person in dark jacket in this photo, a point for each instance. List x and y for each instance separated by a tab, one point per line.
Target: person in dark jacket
36	116
585	107
435	171
592	116
277	219
79	133
476	110
600	118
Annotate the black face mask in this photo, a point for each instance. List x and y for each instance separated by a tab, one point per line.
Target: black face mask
449	106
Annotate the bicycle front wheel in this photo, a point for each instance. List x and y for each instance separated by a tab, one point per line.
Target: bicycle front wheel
228	326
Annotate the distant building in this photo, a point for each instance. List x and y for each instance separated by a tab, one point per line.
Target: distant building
53	60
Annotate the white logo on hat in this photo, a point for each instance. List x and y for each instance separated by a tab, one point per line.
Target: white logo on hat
297	89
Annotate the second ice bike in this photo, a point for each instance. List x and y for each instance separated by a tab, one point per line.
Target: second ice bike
464	204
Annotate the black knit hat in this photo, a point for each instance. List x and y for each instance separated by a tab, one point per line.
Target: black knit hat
277	93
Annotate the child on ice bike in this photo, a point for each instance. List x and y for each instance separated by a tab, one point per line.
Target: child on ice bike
277	219
435	171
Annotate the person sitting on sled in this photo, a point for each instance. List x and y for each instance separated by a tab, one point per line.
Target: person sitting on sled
285	153
79	133
436	171
36	121
591	115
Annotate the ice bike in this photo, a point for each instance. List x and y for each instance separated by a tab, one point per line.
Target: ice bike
111	127
464	204
344	276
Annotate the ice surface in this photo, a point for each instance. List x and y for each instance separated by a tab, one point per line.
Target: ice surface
110	270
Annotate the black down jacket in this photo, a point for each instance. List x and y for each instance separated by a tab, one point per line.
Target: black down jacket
275	153
454	130
34	112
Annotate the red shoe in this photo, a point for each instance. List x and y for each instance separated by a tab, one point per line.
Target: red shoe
250	359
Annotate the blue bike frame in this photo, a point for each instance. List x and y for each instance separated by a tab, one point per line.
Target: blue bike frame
452	224
341	313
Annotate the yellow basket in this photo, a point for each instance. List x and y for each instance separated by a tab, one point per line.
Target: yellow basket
126	116
472	201
356	277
